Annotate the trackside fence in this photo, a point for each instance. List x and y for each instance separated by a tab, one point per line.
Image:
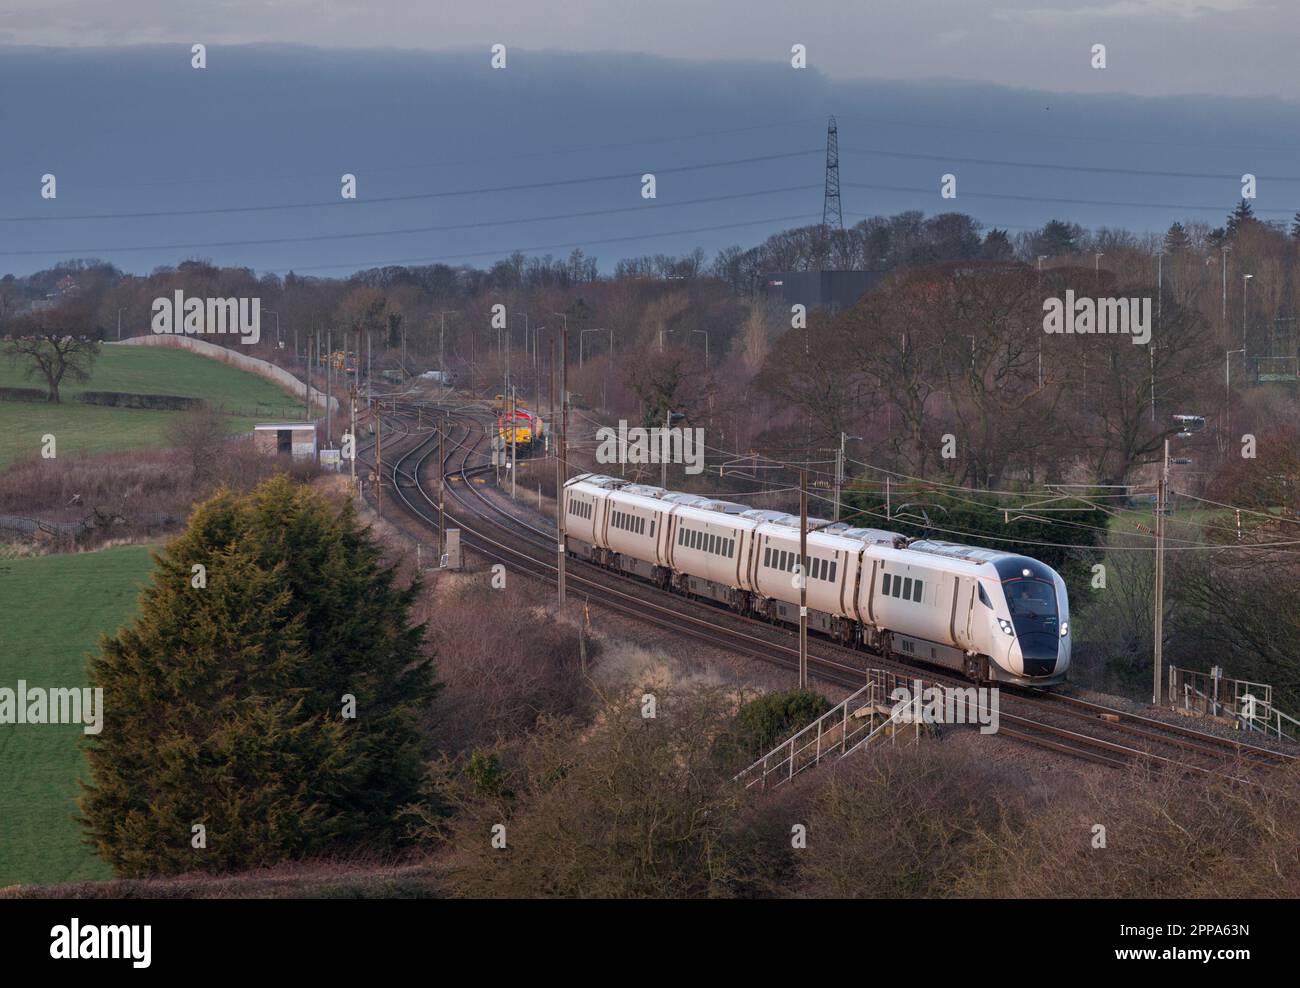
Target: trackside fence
1216	695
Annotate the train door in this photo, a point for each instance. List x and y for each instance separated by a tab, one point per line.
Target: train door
963	603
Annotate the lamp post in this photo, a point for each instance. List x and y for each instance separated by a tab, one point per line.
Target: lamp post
839	471
583	336
1227	390
705	333
442	339
1224	315
1245	280
272	312
1187	426
119	321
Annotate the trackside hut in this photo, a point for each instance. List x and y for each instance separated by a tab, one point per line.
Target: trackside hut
296	439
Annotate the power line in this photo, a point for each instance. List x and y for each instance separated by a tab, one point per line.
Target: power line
406	231
415	196
424	167
1091	169
1006	196
1091	137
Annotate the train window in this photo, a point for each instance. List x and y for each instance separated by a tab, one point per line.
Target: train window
916	591
681	536
835	564
652	528
767	555
907	587
884	588
984	597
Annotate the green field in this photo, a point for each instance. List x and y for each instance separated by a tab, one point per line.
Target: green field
54	608
81	428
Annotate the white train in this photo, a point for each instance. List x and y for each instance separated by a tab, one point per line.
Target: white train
993	616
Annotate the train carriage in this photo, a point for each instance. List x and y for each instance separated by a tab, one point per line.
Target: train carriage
706	550
990	615
630	539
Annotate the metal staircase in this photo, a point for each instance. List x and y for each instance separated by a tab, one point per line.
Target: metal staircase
865	716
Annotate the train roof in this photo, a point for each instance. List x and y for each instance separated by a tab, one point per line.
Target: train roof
1007	564
596	480
955	550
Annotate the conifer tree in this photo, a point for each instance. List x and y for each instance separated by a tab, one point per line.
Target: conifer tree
1241	214
1176	238
224	699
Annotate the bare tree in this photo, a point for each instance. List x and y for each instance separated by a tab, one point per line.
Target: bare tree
53	357
200	433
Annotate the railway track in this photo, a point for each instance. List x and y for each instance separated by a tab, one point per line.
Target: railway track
1068	725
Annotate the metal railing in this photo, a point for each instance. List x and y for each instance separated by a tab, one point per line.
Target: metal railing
855	722
1214	694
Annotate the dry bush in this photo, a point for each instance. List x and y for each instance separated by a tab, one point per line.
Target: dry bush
139	481
355	877
1166	836
199	435
504	661
634	807
139	493
903	822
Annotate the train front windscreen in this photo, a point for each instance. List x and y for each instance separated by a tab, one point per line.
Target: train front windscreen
1031	598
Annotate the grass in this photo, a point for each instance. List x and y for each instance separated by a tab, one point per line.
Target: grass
79	428
65	602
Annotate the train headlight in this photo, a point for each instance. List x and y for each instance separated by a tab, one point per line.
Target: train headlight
1065	628
1005	625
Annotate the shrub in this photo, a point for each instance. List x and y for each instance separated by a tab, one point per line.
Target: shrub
223	702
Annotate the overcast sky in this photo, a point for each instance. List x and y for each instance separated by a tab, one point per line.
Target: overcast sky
1153	47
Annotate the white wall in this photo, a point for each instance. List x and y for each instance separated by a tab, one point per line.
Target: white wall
229	355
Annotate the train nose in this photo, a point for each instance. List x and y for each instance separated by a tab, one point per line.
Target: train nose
1038	653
